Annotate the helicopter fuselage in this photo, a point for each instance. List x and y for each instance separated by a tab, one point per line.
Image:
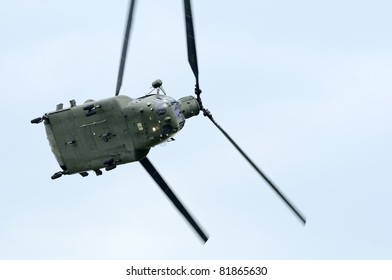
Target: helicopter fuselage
113	131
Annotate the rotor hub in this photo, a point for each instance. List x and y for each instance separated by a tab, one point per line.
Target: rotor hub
189	106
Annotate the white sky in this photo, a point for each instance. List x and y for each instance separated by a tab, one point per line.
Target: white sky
303	86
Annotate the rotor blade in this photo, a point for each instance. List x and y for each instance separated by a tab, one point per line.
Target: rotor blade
166	189
190	39
270	183
125	47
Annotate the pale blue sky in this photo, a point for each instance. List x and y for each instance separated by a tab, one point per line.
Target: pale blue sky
303	86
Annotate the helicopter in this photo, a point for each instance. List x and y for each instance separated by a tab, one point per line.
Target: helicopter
100	135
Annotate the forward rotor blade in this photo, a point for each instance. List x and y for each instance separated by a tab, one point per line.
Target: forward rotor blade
190	39
166	189
270	183
125	47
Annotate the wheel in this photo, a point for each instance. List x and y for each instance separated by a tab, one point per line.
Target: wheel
110	167
57	175
37	120
84	174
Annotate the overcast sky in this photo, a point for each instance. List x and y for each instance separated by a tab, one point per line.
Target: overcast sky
303	86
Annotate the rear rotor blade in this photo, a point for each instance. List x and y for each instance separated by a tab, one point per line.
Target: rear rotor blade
166	189
192	58
270	183
125	47
190	39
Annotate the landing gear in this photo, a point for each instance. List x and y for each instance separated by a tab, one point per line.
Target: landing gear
110	165
84	174
57	175
39	119
98	172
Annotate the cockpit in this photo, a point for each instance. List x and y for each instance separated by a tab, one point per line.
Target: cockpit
156	117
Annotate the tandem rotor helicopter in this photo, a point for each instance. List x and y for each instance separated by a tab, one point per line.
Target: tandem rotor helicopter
105	133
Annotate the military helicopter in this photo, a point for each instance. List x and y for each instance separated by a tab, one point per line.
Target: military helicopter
109	132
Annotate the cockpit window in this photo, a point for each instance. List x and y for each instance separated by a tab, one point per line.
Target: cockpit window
177	109
161	108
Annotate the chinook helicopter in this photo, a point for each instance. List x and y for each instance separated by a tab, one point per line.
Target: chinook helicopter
99	135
